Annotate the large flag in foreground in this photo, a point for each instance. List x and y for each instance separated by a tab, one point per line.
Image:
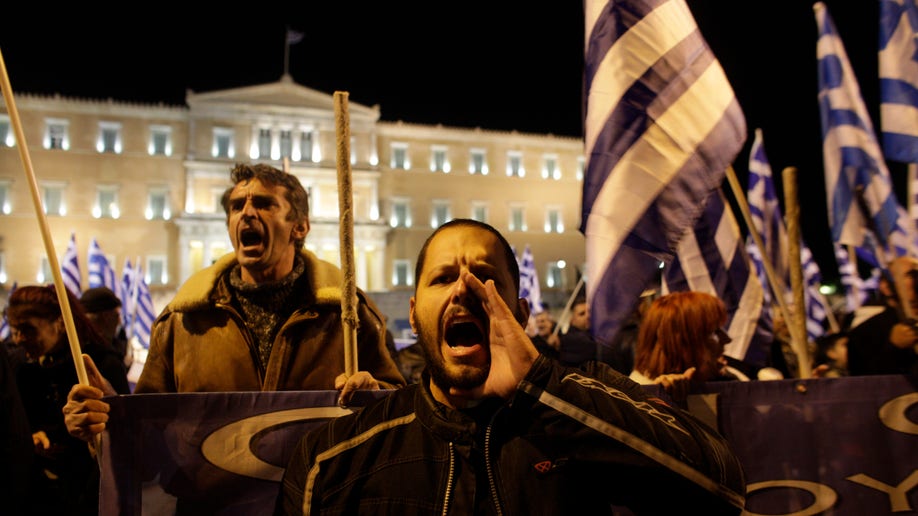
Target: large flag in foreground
711	258
858	186
70	268
661	126
898	60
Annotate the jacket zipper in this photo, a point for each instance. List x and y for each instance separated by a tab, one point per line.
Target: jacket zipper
492	482
449	479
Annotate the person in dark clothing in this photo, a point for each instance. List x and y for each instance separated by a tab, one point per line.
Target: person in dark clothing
887	343
495	427
103	308
546	340
16	454
64	478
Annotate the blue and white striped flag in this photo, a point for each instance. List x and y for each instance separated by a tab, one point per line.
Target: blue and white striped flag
854	164
129	301
769	223
5	324
144	313
898	60
101	273
530	290
662	125
711	259
70	268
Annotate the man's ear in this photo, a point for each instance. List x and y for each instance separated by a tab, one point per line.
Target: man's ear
522	316
300	230
414	327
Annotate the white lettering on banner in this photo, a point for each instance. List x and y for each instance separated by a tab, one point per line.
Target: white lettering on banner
228	446
893	413
898	495
824	496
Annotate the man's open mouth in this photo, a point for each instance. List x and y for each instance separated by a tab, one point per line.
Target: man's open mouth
250	237
464	333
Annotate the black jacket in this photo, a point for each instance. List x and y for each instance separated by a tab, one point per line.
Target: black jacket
570	441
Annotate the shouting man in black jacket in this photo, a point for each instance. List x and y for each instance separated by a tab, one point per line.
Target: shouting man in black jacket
496	428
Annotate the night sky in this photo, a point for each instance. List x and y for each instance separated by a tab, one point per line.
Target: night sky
506	65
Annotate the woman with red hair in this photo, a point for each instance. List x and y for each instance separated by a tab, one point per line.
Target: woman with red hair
65	477
681	340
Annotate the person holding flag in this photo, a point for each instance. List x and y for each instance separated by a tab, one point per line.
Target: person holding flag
265	317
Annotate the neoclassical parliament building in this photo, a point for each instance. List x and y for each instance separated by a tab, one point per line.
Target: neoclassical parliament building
145	181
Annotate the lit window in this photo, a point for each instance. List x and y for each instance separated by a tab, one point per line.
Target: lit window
550	168
52	198
156	273
158	205
7	138
400	156
515	164
224	145
553	223
109	137
57	135
438	161
401	273
3	276
264	143
554	277
106	203
401	214
160	141
5	207
517	218
581	163
44	271
479	212
477	162
306	143
286	144
353	151
440	214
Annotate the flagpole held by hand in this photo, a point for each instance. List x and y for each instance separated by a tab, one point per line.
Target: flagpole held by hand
61	290
346	212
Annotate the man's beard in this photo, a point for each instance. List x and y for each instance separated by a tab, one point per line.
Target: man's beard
461	377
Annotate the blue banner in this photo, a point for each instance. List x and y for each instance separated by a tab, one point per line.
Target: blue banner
845	446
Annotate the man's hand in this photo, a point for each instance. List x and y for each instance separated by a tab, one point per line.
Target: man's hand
512	351
85	414
360	381
903	336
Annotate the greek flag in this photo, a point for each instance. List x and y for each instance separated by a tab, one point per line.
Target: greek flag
143	310
711	259
70	268
5	324
129	291
769	223
101	273
530	290
858	186
661	126
898	60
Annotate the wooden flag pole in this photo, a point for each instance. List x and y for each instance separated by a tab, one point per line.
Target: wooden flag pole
53	263
567	307
777	287
792	217
345	209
